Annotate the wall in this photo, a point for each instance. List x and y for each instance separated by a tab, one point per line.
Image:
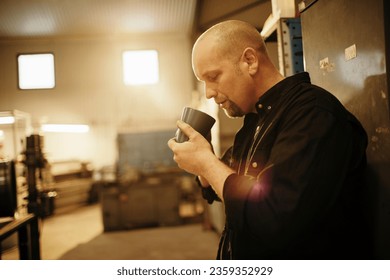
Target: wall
89	89
360	82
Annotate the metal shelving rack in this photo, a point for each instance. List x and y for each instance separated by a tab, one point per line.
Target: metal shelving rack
285	21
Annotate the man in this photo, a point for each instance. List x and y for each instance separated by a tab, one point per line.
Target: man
291	182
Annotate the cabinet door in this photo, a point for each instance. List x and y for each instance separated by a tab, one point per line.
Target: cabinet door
110	210
167	202
139	208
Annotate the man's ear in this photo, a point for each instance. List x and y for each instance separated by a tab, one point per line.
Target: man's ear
249	56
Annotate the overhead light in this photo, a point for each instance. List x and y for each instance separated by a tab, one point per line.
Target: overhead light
7	120
66	128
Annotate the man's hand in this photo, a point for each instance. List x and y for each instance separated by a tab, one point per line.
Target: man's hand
192	154
197	157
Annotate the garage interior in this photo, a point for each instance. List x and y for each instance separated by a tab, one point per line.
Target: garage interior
113	191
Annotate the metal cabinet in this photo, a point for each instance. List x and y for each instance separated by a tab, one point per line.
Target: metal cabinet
346	45
152	201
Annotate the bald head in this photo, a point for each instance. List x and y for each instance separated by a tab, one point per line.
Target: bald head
232	37
232	60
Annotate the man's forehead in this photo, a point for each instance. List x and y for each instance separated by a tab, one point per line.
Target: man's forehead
202	55
205	65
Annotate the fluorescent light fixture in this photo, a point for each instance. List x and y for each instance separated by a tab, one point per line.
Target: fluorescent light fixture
65	128
7	120
140	67
36	71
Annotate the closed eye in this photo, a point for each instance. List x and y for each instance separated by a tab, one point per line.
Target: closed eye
212	78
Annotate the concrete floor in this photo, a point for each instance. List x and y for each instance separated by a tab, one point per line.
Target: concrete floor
80	234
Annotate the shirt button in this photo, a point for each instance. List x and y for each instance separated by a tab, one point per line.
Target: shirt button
254	164
269	107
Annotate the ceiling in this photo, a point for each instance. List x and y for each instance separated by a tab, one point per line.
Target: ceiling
64	18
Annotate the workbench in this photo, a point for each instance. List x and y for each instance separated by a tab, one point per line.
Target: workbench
27	230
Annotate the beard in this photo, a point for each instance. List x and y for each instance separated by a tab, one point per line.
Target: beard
233	111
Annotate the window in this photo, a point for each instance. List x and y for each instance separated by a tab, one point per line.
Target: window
140	67
36	71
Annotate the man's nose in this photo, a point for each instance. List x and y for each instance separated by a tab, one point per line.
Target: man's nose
210	93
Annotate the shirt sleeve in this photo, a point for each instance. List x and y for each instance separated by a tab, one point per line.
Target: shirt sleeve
208	193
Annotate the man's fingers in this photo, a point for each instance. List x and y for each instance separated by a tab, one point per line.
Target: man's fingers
186	129
171	143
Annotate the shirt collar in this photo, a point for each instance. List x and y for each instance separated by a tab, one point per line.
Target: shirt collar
270	98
